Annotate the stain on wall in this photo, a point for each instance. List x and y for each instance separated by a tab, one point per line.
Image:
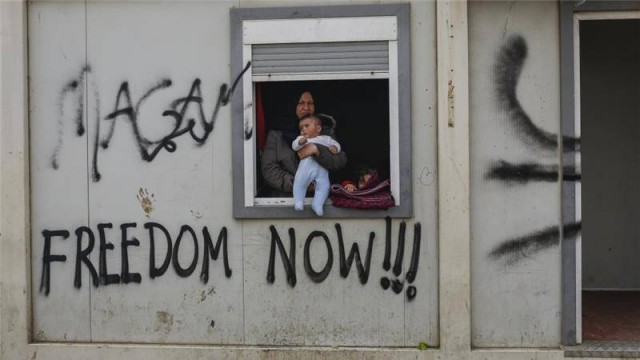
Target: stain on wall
146	201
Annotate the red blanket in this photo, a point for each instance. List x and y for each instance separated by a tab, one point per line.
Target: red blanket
375	194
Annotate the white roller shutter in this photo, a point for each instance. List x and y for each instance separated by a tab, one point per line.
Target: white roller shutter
328	57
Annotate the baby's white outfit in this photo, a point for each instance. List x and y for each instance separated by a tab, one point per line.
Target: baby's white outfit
308	171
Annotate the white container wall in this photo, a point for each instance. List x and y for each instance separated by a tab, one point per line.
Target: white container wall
134	201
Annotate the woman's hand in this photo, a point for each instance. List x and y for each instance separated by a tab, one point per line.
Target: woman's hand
308	150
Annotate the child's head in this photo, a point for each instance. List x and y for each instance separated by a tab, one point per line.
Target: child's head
364	175
310	126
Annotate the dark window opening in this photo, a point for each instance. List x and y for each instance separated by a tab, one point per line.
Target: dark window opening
361	111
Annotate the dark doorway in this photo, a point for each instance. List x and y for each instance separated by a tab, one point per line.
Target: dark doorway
610	132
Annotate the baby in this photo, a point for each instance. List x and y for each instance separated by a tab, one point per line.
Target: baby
364	176
309	170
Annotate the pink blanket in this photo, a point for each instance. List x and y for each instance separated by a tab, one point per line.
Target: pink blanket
375	194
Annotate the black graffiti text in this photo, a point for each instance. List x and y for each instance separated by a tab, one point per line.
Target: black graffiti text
288	258
102	276
126	110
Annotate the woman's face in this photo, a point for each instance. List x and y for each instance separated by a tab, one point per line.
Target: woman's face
305	105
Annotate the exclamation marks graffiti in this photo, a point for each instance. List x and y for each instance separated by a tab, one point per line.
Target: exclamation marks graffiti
413	265
397	284
386	265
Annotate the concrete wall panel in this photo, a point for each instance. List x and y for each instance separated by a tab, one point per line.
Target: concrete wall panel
59	167
515	199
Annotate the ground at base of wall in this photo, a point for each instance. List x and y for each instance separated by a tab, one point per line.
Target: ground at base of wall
611	316
604	349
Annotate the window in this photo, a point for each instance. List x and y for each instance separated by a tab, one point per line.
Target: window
355	62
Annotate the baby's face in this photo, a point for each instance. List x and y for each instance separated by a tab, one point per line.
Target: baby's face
309	128
363	180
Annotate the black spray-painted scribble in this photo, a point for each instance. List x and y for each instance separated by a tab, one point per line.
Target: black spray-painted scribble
124	108
523	173
102	277
507	69
76	87
512	251
397	284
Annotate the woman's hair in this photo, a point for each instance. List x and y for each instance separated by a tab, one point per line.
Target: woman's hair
297	90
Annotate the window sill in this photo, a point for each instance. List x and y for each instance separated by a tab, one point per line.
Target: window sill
330	212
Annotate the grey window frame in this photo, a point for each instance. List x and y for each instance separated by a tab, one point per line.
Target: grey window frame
402	13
